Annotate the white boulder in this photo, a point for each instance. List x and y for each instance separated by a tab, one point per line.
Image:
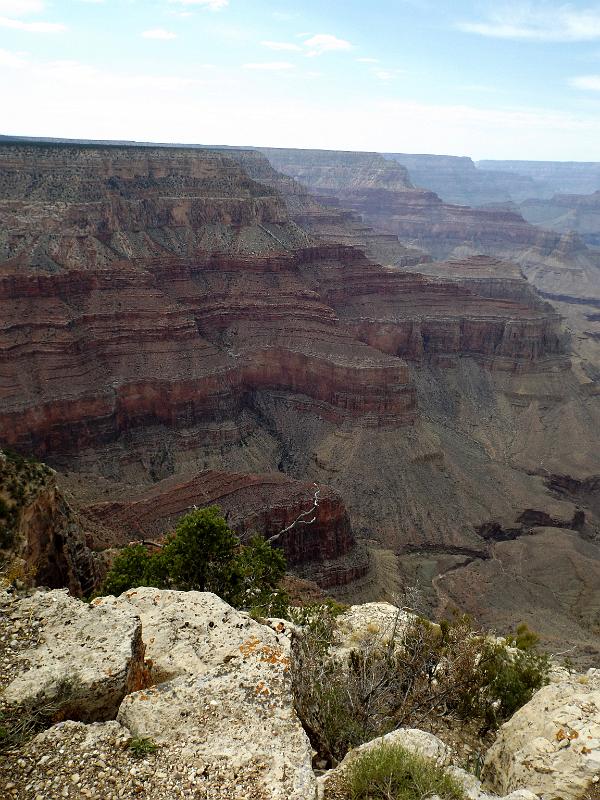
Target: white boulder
552	744
82	661
369	622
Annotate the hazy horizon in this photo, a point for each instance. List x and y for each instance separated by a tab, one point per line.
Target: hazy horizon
501	81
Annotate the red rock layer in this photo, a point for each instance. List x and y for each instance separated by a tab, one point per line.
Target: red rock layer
164	332
85	357
264	504
414	316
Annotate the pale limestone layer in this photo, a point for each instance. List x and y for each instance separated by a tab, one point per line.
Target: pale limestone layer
83	660
552	744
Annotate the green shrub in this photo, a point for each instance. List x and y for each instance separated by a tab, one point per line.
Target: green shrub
390	772
318	620
140	748
200	554
129	570
410	676
203	554
524	638
502	682
259	569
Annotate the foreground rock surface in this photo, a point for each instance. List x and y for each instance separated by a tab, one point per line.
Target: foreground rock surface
552	744
222	726
188	633
78	659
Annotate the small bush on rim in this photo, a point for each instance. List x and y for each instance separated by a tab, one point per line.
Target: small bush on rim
390	772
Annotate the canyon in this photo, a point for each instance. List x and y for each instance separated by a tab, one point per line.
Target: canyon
557	262
189	326
460	180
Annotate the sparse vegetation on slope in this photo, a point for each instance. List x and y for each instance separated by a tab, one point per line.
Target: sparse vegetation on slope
411	675
20	480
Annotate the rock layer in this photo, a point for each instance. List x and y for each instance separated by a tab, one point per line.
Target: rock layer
267	504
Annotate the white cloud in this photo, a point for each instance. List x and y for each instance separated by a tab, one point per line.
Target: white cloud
32	27
274	66
9	58
313	44
18	8
385	75
212	5
282	46
159	33
589	82
543	23
325	43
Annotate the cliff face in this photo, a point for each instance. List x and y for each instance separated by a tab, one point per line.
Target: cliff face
577	177
565	213
84	207
267	504
333	171
320	214
41	538
178	344
381	191
559	264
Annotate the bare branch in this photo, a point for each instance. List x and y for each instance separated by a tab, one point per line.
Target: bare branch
300	519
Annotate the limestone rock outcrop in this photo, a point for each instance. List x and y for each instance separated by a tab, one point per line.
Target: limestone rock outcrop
81	661
185	633
366	621
552	744
215	717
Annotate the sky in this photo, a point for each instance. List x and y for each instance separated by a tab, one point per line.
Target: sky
482	78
